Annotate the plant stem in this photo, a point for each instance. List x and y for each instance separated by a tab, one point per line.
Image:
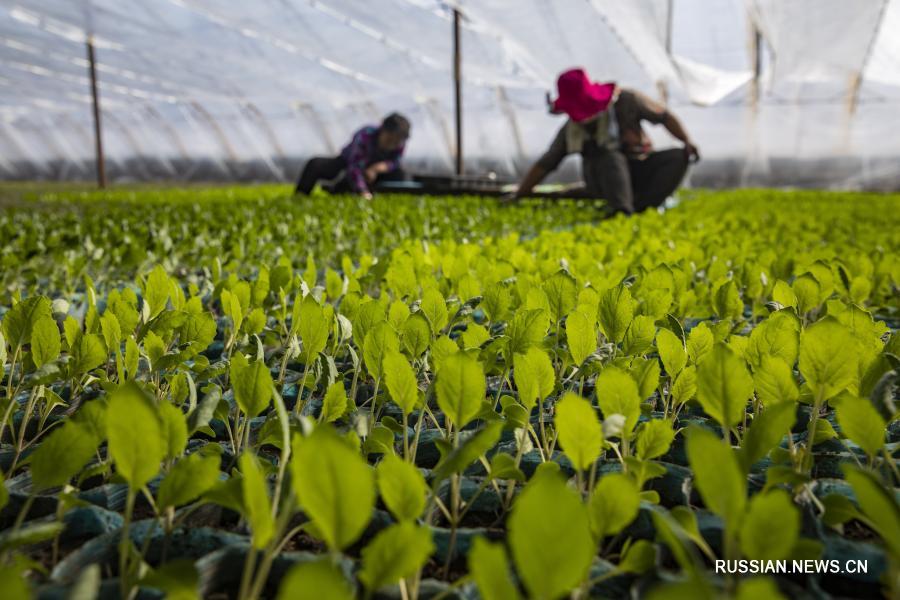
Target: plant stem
125	543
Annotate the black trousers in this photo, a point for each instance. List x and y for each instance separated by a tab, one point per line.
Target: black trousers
334	170
632	185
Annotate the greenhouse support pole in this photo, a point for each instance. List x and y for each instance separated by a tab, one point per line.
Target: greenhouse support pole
98	137
457	89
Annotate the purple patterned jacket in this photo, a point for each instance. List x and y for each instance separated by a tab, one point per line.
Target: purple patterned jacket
363	151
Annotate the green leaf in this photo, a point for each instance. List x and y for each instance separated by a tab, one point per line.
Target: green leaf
878	505
334	485
640	335
581	336
316	580
490	569
685	386
614	504
190	478
699	343
724	385
766	432
638	558
177	578
561	294
580	433
252	384
861	423
671	351
615	312
135	434
415	336
89	353
394	554
334	405
61	455
771	527
534	376
156	291
717	476
758	587
45	341
461	457
839	509
20	320
379	342
774	382
231	305
460	388
28	534
313	328
434	308
402	488
400	381
549	536
654	438
175	431
257	506
727	303
526	329
823	358
775	337
617	394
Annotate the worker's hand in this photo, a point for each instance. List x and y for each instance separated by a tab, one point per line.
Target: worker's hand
376	169
693	153
366	195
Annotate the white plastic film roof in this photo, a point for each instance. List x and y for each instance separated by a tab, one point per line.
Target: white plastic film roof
228	88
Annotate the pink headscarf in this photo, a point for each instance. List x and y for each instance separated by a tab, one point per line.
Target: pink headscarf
580	98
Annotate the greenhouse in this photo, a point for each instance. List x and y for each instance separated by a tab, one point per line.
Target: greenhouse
434	299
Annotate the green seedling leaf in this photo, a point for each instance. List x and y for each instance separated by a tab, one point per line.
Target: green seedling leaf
415	335
774	382
380	341
534	376
177	578
88	353
654	438
718	477
460	388
839	509
614	504
823	358
640	335
581	335
467	453
190	478
19	321
615	312
316	580
758	587
724	385
526	329
175	431
45	341
252	385
61	455
580	432
771	527
394	554
699	343
638	558
617	394
503	466
313	328
878	505
400	381
334	485
28	534
257	505
671	351
766	432
489	567
334	405
549	536
136	435
861	423
402	488
156	291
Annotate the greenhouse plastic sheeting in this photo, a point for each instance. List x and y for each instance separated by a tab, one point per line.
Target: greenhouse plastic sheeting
205	89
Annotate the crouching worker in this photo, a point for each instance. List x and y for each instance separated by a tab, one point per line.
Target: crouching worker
618	161
372	156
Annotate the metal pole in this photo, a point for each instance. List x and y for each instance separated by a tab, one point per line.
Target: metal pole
457	85
98	136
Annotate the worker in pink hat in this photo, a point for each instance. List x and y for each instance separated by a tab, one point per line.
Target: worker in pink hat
619	164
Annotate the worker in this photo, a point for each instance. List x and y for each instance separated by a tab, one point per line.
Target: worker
372	156
618	161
